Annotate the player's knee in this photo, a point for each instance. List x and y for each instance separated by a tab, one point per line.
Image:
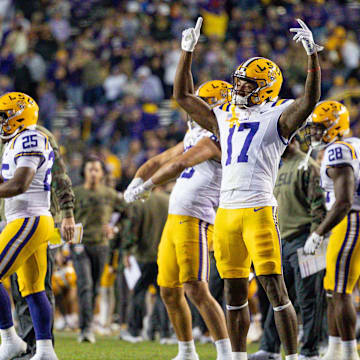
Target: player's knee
275	289
197	291
236	291
170	296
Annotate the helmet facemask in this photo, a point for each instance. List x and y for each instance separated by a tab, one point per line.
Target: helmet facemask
243	100
5	119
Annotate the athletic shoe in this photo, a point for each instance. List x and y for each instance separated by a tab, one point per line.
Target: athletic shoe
303	357
196	333
45	356
264	355
168	341
206	339
186	357
86	336
13	349
126	336
255	332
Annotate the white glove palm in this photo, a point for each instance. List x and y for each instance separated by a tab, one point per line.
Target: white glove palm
305	35
312	243
191	36
136	193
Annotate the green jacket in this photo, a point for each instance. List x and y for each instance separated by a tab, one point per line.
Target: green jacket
94	208
300	198
147	223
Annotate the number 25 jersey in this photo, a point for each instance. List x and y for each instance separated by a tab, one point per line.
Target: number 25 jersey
346	152
31	149
251	147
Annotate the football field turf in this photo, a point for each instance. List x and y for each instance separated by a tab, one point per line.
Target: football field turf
110	348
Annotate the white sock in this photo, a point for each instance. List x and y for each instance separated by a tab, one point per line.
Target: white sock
44	346
349	348
8	335
187	347
223	348
240	356
334	348
291	357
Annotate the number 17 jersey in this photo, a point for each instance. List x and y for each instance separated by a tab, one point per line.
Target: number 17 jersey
30	148
251	147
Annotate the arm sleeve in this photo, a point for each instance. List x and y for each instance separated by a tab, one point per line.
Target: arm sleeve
61	183
315	195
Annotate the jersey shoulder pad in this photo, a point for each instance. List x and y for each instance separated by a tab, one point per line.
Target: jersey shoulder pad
30	140
340	152
224	107
281	103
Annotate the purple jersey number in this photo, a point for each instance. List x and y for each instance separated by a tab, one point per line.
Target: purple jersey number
243	157
48	172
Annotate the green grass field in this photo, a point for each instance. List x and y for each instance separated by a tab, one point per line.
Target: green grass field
110	348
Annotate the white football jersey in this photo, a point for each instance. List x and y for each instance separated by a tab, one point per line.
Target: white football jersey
32	149
197	189
341	152
251	147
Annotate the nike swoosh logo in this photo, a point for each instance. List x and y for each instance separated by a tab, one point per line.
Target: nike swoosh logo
258	209
181	222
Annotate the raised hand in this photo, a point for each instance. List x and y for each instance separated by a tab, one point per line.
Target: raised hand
305	35
191	36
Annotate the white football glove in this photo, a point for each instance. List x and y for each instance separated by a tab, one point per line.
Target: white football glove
135	182
191	36
129	192
305	35
312	243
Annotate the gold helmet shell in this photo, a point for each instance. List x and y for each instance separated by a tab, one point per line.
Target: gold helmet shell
335	119
215	92
262	72
18	111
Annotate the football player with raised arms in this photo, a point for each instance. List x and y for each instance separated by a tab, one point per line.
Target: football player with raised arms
254	130
340	178
183	255
26	178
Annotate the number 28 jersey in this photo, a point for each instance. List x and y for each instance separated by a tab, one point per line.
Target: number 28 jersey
31	149
251	147
346	152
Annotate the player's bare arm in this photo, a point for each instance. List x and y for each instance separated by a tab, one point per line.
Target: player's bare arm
152	165
197	109
296	114
344	185
18	184
205	149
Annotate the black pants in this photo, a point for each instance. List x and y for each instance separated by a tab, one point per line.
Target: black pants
26	327
310	298
137	310
89	262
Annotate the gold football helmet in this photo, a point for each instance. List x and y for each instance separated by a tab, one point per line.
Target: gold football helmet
264	74
17	112
329	122
215	92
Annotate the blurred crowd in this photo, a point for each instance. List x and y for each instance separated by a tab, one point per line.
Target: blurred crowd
102	70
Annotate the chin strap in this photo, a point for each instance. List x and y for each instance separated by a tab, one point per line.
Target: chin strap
304	165
7	137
